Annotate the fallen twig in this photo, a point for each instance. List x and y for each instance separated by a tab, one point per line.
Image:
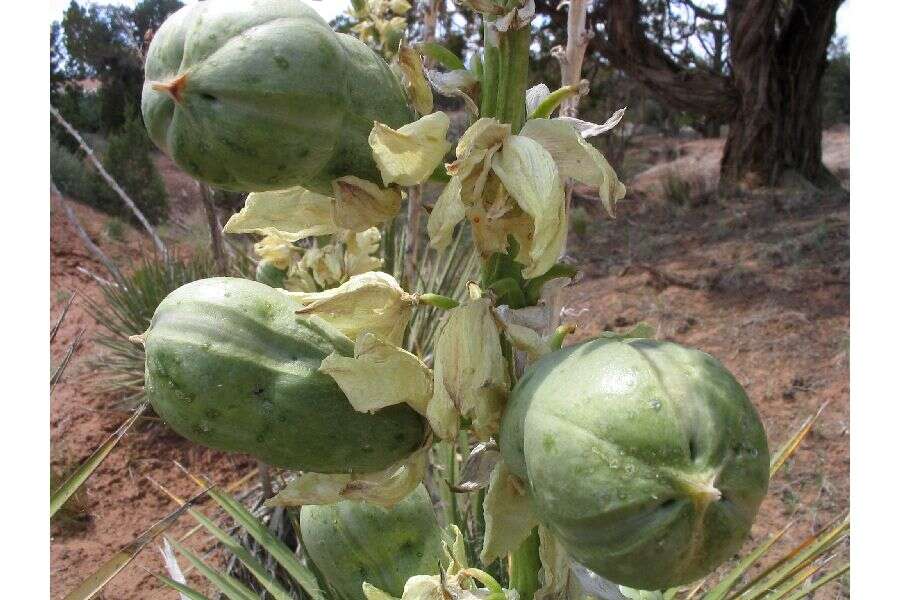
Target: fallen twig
661	280
86	239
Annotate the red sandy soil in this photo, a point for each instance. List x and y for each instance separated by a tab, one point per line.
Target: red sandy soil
121	503
759	281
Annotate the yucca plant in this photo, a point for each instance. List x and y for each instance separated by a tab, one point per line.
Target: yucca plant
639	459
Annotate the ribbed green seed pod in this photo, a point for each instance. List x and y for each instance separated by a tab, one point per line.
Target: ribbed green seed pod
262	95
355	542
230	365
645	458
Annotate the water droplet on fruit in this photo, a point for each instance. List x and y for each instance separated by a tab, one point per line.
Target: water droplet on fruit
629	470
655	404
204	426
753	452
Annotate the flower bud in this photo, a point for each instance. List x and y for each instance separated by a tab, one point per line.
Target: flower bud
470	376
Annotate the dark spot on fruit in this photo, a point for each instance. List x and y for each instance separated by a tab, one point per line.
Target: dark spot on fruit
692	448
212	413
260	438
282	62
259	391
399	437
668	503
209	97
549	443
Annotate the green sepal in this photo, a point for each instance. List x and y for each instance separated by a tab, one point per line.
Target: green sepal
509	292
534	286
439	174
641	330
441	55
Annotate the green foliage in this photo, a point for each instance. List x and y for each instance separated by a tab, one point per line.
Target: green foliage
69	172
579	220
129	160
148	15
124	312
105	42
114	229
836	85
677	190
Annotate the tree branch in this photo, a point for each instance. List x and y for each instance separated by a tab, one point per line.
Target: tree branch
627	47
215	230
703	13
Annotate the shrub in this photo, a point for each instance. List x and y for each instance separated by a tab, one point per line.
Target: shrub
69	172
129	160
579	221
114	229
677	190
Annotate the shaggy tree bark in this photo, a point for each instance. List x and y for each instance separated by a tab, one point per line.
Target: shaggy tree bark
771	99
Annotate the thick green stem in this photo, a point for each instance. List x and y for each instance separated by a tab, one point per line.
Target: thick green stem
524	565
451	482
519	42
490	72
502	78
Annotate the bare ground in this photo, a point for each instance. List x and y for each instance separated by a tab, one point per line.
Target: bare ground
759	281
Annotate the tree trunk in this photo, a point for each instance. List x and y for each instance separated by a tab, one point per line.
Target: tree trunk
775	133
772	98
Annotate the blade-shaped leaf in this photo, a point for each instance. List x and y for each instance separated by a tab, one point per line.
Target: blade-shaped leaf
118	561
274	546
181	588
228	585
251	562
721	590
84	470
804	593
62	317
794	581
70	352
783	453
807	551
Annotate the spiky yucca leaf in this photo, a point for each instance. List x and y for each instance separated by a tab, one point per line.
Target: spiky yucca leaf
96	581
228	585
232	545
276	548
77	478
181	588
789	447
